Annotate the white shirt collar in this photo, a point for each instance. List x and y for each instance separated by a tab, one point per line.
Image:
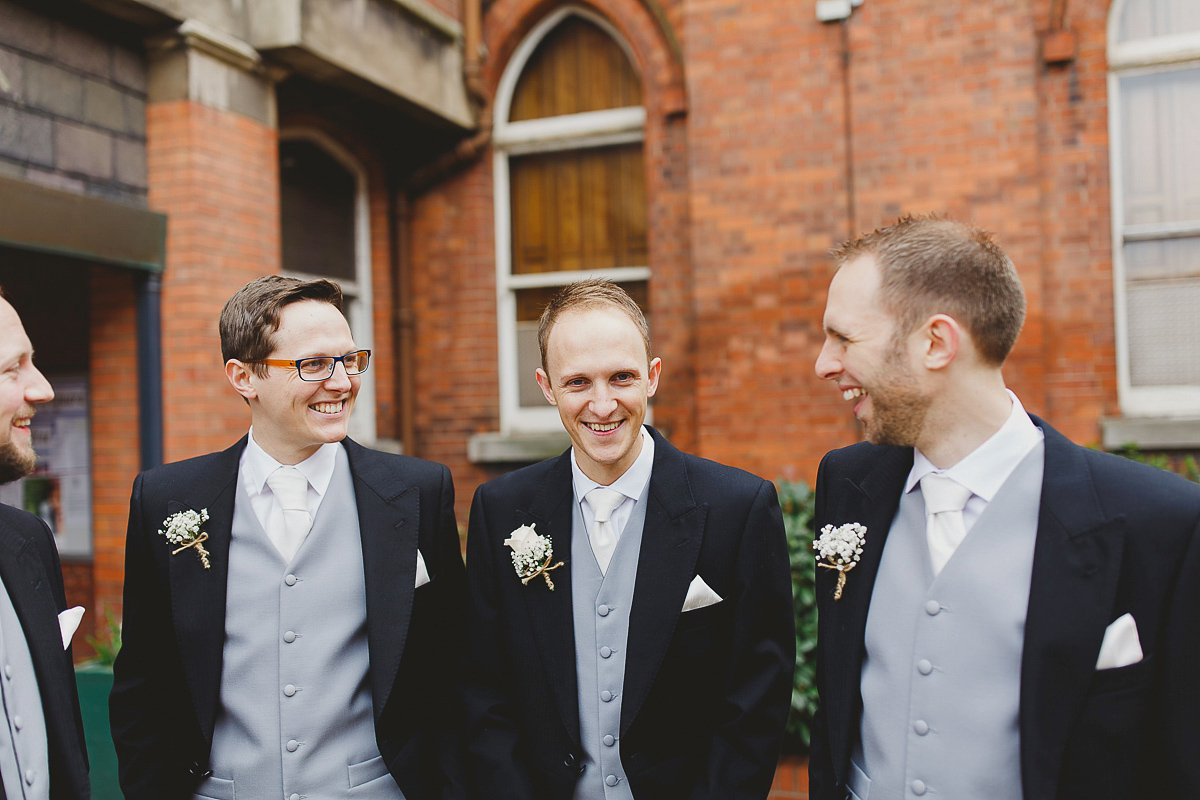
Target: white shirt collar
256	465
985	469
631	484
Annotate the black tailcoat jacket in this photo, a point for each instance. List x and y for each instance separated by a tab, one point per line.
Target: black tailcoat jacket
1113	537
167	676
706	693
33	578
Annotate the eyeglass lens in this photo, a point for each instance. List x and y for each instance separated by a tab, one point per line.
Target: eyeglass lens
321	367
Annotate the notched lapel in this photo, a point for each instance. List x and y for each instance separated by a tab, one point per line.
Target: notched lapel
666	566
198	594
550	612
389	518
1076	570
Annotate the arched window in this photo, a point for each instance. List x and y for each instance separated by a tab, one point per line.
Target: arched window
325	232
1154	91
570	188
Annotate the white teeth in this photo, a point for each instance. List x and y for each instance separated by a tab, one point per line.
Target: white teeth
850	394
602	428
327	408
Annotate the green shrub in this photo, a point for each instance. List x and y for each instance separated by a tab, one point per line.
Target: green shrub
108	641
1185	466
797	502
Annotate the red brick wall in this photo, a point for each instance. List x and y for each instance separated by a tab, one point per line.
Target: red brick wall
216	175
114	429
752	176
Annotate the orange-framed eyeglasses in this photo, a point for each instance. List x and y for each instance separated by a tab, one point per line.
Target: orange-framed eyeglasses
320	368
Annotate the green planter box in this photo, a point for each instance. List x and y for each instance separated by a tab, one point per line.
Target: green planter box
94	683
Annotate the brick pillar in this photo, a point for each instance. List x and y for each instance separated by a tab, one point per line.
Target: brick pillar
212	165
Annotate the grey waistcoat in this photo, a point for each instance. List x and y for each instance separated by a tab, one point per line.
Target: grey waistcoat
296	717
24	752
600	603
941	679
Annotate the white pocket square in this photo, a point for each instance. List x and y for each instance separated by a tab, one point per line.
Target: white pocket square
1121	646
699	595
422	573
68	623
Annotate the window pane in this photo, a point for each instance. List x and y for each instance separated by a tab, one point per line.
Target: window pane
1164	333
1160	146
576	68
578	210
1143	19
530	303
1163	258
317	198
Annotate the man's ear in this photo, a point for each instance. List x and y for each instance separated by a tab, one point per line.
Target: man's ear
544	383
241	379
941	340
652	376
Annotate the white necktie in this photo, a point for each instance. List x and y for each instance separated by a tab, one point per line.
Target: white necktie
603	502
288	529
944	528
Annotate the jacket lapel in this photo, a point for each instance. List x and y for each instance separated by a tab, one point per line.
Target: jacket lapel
550	612
198	594
1076	568
872	501
671	539
389	517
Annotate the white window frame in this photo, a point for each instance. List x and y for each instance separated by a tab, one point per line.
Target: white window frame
1141	56
357	296
567	132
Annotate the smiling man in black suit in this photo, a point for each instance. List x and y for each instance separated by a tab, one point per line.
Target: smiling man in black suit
42	753
631	618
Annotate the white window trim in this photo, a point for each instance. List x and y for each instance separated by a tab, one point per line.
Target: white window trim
360	307
1158	54
566	132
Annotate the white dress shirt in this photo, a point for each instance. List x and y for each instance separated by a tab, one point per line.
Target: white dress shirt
985	469
256	465
631	484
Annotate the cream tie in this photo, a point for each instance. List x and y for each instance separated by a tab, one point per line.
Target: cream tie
944	528
289	528
603	502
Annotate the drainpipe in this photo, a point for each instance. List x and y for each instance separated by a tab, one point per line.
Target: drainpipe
148	298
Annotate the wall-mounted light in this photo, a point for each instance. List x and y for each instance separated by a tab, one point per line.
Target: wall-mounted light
835	10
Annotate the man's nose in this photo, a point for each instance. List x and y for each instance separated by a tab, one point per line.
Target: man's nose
828	365
39	389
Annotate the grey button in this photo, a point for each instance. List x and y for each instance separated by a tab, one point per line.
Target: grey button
921	727
293	796
932	608
8	671
292	745
611	780
605	652
918	787
290	580
924	667
602	610
17	722
30	776
606	695
289	637
289	690
609	740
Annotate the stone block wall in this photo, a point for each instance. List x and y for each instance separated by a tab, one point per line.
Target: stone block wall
72	108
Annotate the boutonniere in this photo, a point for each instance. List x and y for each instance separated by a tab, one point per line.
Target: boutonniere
841	548
183	528
531	554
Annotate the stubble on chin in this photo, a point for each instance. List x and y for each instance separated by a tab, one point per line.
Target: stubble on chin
15	462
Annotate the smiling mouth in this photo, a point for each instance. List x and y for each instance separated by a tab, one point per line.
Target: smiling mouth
603	427
850	394
328	408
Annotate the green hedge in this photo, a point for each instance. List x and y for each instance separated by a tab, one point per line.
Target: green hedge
796	500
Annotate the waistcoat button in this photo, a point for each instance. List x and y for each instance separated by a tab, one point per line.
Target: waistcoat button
292	745
289	637
921	727
918	787
924	667
932	607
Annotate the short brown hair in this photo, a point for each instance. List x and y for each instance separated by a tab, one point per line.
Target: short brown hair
251	317
929	264
587	295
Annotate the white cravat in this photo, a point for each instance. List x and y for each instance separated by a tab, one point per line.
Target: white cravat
603	502
288	529
944	529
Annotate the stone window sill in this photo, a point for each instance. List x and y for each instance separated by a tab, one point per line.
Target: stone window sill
1151	433
517	448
